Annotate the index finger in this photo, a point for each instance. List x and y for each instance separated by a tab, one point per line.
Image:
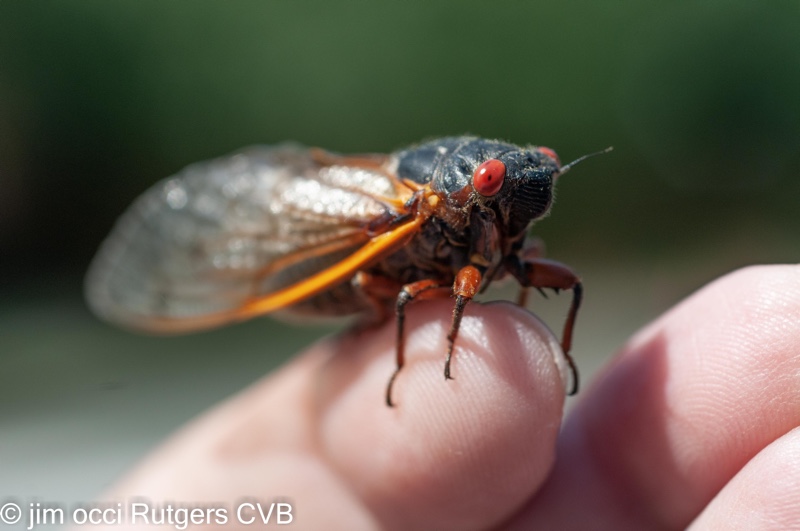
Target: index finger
458	454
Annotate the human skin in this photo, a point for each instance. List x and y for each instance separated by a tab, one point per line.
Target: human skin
692	423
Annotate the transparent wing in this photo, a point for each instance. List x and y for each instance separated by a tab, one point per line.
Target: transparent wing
199	245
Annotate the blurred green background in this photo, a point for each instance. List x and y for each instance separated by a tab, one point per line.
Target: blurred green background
98	100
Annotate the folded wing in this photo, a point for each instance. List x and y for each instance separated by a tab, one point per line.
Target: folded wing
198	247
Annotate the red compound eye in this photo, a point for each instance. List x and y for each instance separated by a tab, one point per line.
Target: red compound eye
488	178
547	152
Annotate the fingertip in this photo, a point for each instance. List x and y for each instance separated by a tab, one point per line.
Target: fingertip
451	453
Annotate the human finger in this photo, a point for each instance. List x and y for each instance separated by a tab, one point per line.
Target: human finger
688	402
456	454
765	494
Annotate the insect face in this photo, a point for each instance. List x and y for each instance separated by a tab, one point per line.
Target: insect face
527	193
515	184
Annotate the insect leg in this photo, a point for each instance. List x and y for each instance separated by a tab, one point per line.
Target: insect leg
468	280
420	290
534	249
377	290
542	273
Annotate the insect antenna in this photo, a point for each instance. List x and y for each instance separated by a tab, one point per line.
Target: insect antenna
564	169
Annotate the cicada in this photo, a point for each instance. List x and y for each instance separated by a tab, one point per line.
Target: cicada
308	232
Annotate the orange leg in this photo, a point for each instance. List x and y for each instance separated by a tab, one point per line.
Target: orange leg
377	290
466	285
541	273
468	280
532	251
420	290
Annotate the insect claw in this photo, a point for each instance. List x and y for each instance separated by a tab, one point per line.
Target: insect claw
575	378
544	294
389	389
447	361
